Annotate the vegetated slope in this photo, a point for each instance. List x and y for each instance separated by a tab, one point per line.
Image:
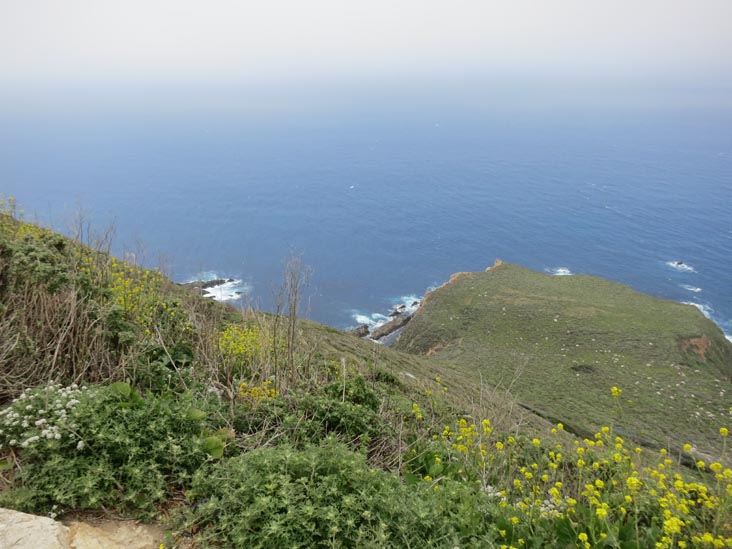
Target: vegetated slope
71	312
561	343
294	434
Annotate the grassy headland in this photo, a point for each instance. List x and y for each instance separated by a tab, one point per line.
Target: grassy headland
560	342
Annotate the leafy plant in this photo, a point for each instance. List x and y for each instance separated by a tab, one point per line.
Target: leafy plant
240	345
326	496
108	446
302	416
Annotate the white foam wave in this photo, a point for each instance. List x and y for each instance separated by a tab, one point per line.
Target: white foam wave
406	304
373	321
690	288
231	290
559	271
681	266
706	310
228	291
728	337
411	303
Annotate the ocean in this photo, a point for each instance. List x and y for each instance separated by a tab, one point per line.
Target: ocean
386	201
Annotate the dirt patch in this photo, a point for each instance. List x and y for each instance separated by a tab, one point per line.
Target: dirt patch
697	345
114	534
435	349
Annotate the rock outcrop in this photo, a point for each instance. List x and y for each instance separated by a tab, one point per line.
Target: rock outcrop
359	331
390	327
24	531
200	285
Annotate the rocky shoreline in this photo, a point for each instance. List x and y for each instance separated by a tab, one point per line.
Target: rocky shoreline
207	288
201	285
400	315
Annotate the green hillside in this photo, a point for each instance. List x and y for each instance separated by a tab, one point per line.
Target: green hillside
71	312
560	343
123	394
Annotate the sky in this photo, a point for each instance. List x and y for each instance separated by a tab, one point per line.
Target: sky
52	44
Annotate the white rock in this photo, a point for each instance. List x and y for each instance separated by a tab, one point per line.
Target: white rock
23	531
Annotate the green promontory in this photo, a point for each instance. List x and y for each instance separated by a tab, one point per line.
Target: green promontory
560	343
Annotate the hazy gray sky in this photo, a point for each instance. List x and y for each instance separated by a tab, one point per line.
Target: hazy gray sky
252	40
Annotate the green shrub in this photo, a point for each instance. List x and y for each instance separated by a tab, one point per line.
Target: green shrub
318	416
35	256
164	368
326	497
356	391
240	346
387	378
308	417
100	447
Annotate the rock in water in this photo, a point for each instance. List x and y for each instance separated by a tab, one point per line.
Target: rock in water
389	327
201	285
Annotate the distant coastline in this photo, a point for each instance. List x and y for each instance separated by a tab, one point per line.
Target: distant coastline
217	288
384	327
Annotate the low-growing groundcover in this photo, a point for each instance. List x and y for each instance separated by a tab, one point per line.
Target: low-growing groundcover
328	496
347	411
458	485
108	447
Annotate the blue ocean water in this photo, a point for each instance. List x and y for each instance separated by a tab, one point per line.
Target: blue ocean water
385	202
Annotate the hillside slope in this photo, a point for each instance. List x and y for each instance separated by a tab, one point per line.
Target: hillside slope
561	343
71	312
125	394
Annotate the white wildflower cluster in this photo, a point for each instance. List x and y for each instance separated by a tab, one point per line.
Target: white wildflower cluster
493	492
551	508
43	413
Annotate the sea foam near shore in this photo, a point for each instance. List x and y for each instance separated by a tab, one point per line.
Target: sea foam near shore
228	291
559	271
690	288
681	266
403	305
706	310
231	289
